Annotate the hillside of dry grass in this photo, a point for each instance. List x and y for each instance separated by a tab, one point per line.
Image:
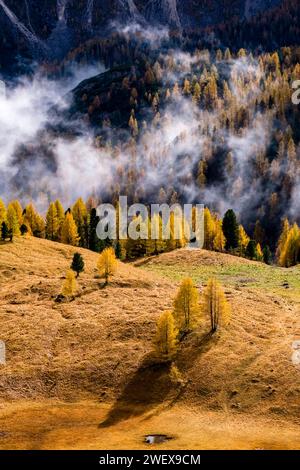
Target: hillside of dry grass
248	366
87	347
96	347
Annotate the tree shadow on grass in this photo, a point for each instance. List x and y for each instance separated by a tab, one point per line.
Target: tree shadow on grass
193	346
151	384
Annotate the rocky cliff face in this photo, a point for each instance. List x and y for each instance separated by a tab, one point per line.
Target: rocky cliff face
52	27
164	12
42	16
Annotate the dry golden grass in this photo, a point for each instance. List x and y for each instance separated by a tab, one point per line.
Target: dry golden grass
76	426
96	347
88	346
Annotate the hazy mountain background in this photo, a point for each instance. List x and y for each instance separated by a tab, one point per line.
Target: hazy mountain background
51	28
88	107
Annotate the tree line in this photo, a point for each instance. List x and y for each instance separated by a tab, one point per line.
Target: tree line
77	227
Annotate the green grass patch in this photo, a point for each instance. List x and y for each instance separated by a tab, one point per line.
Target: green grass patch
273	279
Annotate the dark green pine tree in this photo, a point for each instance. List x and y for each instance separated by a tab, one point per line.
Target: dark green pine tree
23	229
95	244
118	250
77	264
4	231
267	255
230	228
251	251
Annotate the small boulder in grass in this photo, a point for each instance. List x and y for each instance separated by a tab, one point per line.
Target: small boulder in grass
60	298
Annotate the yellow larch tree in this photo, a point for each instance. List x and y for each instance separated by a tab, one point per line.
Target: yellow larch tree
18	209
165	341
40	227
69	286
60	217
2	212
196	93
227	55
80	215
209	230
215	305
186	87
171	243
107	263
186	306
259	252
201	176
178	229
52	222
283	238
140	246
243	240
290	251
12	220
30	218
214	238
155	244
219	239
33	221
69	233
242	53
